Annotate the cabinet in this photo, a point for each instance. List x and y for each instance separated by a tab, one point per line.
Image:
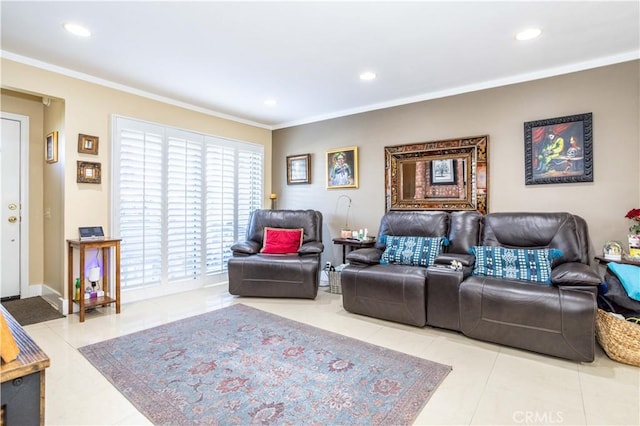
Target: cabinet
107	245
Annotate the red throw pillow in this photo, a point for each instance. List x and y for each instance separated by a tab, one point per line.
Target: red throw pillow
281	240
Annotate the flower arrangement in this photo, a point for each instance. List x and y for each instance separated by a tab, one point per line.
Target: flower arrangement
634	214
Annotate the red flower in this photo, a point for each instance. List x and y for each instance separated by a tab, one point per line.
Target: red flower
633	214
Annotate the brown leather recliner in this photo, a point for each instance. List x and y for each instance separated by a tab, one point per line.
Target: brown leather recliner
388	291
556	319
252	273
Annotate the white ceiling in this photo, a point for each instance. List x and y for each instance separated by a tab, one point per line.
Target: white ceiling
226	58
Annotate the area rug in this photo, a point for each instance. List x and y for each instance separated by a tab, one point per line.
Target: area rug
241	365
31	310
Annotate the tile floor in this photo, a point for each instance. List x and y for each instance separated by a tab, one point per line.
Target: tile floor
489	384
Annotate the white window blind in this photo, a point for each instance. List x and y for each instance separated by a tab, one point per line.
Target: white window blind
180	200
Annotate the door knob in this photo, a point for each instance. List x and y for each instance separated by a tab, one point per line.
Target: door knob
12	206
12	219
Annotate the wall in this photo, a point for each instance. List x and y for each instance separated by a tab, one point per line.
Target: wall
611	93
87	109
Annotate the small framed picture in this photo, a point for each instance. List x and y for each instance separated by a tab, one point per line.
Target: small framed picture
298	169
89	172
342	168
51	148
559	150
443	172
88	144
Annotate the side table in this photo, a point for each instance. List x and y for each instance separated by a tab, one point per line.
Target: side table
108	298
601	260
352	243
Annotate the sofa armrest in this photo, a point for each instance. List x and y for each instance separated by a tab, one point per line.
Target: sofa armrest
574	274
365	256
447	258
312	247
245	248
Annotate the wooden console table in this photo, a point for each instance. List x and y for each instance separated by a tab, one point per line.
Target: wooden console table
351	243
23	379
82	246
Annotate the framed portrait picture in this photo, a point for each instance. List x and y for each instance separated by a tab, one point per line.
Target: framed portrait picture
51	148
89	172
298	169
88	144
342	168
559	150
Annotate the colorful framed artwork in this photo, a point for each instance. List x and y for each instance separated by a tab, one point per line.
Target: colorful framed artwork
51	148
342	168
88	144
298	169
559	150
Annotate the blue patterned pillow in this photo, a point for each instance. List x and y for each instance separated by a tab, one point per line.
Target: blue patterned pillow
417	251
519	264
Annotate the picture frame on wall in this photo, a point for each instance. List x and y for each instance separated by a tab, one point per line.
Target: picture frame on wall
559	150
89	172
342	168
88	144
51	148
298	169
443	172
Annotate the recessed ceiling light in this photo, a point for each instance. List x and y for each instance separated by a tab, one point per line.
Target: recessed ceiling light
367	76
270	102
76	29
528	34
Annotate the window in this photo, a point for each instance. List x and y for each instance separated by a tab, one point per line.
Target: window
180	200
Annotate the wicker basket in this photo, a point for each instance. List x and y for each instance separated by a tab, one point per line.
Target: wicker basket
620	339
334	282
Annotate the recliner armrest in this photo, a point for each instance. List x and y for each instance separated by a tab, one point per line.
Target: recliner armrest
574	274
365	256
312	247
245	248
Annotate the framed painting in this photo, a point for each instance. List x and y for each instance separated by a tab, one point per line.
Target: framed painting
88	144
298	169
559	150
342	168
51	148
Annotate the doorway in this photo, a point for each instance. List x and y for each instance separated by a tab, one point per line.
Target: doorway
14	154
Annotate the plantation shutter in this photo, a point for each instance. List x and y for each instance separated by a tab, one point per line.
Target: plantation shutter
140	205
180	200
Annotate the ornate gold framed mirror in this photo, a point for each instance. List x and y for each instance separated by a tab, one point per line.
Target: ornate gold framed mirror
441	175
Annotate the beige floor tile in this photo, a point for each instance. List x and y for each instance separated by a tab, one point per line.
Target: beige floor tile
489	384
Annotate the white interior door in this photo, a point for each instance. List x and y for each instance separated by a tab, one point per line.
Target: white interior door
11	141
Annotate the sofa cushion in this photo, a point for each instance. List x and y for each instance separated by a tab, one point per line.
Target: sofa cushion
520	264
281	240
415	251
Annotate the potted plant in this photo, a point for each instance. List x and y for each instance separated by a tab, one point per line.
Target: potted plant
634	232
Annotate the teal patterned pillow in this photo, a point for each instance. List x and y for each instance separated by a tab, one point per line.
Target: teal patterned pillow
519	264
416	251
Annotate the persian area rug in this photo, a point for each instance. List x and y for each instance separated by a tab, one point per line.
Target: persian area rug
241	365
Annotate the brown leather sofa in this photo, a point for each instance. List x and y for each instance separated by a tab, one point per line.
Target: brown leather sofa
557	318
252	273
